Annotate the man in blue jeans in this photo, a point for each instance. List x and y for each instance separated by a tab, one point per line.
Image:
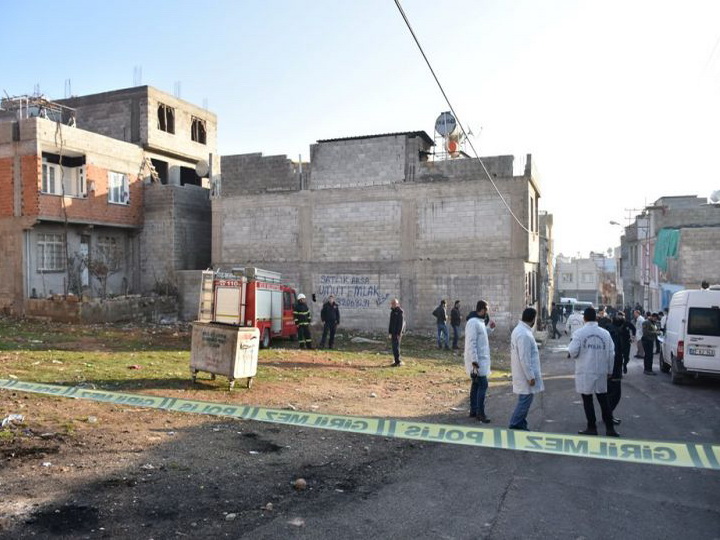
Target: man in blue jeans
525	365
440	314
477	359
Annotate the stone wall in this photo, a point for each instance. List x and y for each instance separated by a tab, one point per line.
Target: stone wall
156	309
698	257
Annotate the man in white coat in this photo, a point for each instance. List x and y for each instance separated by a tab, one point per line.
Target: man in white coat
477	359
594	353
575	322
525	364
639	320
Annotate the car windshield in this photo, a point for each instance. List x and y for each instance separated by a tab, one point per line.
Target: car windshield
704	322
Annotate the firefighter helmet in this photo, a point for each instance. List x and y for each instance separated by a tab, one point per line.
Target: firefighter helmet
301	296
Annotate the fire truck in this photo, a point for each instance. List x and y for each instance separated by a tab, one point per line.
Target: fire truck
249	297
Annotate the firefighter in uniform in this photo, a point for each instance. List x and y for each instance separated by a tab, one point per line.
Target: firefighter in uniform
302	321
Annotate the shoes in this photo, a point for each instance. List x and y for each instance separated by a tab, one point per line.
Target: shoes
397	364
484	419
650	373
588	431
625	370
617	421
612	433
447	348
473	415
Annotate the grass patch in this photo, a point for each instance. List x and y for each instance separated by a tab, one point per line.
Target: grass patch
129	357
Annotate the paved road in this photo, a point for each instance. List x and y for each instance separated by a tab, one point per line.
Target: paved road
446	491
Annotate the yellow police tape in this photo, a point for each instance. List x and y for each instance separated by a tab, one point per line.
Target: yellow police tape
697	455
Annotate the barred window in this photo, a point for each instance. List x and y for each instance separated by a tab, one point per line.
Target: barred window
108	251
51	252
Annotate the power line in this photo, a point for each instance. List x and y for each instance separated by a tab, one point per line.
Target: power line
452	109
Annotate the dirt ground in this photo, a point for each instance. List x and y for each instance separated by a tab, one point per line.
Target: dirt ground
78	469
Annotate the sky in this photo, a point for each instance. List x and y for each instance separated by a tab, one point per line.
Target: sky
617	101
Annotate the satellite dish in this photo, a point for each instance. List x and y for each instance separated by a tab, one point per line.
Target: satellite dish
715	196
202	168
446	125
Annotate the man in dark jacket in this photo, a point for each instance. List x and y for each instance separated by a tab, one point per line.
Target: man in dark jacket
455	321
555	316
395	330
626	331
302	321
649	335
330	316
614	388
440	314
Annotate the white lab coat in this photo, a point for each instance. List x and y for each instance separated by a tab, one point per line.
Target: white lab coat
594	353
525	360
638	327
575	322
477	346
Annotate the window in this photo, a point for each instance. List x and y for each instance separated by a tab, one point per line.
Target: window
66	179
588	277
107	251
51	253
198	131
118	188
704	322
49	172
166	118
567	277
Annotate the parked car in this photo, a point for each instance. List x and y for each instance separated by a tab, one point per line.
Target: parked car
691	347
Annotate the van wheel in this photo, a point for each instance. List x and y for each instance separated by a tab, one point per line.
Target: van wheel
675	377
265	342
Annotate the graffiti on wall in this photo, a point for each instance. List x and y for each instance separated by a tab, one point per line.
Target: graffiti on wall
353	291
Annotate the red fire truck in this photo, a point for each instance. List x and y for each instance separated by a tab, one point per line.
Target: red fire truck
249	297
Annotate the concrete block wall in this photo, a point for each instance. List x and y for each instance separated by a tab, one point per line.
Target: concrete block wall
368	245
357	163
701	215
698	255
255	173
176	233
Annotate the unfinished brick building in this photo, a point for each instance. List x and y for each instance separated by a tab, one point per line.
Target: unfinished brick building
101	194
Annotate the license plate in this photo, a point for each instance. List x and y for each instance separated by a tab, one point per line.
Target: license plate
702	352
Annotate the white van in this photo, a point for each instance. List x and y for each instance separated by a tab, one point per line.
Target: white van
691	347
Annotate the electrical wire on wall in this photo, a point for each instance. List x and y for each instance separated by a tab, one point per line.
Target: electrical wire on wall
452	109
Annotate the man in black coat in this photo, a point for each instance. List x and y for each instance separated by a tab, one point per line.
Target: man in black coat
626	331
455	322
614	385
330	316
555	316
395	330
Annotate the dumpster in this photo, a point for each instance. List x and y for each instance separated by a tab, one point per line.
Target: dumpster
220	349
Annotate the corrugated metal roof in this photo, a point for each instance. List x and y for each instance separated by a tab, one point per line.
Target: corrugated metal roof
421	134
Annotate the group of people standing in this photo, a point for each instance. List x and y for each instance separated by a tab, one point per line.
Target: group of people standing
598	354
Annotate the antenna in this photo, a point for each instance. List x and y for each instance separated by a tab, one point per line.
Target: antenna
68	88
177	87
205	103
137	75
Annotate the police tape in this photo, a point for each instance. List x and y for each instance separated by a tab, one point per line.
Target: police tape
697	455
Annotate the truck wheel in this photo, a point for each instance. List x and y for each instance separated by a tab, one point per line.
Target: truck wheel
265	342
249	382
675	377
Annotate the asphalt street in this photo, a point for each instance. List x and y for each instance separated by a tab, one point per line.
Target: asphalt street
454	492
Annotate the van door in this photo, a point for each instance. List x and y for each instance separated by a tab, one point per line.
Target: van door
702	345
